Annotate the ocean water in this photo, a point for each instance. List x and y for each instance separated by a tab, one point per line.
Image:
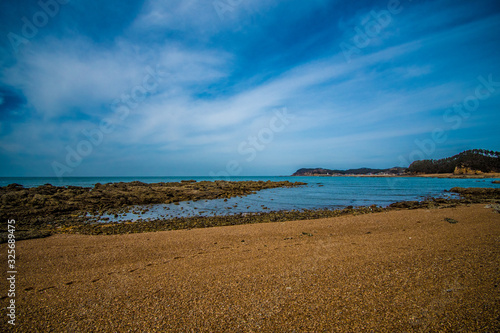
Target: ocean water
320	192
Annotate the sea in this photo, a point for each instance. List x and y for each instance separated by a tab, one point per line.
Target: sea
319	193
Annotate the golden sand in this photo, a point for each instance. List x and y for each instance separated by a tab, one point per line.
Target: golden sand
407	270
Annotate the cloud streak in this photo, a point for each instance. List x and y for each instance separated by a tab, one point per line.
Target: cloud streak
222	79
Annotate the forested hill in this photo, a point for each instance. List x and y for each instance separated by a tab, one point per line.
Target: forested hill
360	171
466	162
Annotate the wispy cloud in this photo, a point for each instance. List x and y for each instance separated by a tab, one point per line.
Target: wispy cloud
222	77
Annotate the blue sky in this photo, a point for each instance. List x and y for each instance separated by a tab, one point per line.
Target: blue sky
241	87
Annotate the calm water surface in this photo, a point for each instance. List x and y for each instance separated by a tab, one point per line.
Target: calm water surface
320	192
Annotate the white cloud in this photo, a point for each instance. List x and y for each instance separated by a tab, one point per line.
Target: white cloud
63	75
58	77
174	121
203	19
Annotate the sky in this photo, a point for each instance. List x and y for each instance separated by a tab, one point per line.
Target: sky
243	87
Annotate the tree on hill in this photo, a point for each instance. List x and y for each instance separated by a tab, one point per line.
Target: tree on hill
474	159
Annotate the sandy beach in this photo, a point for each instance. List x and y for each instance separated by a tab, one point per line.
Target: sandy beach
402	270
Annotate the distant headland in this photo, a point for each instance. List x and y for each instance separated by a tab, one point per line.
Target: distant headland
350	172
479	163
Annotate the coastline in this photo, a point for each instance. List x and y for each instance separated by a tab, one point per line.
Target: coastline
489	175
398	270
48	210
450	175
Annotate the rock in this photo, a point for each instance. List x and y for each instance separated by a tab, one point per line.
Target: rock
496	207
49	205
477	195
406	204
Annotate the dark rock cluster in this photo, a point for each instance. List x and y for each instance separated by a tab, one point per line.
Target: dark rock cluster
477	193
49	207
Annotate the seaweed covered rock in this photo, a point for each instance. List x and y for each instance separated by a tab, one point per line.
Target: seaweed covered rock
477	192
49	207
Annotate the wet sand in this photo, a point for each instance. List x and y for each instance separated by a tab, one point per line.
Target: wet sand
401	270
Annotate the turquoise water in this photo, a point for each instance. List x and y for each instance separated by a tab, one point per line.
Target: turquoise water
320	192
91	181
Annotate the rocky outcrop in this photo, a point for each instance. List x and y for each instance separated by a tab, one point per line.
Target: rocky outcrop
49	207
477	192
462	170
